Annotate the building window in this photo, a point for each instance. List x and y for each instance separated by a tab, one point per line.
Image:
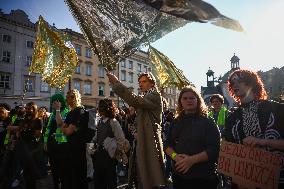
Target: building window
88	88
130	66
88	53
78	69
145	68
88	69
101	72
111	93
4	81
29	85
123	64
123	75
130	77
6	38
6	56
30	44
44	87
139	68
77	85
78	50
101	89
29	61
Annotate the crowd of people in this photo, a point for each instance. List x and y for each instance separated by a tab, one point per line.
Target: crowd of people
144	140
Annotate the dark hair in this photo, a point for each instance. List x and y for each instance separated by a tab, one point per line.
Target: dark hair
43	108
169	116
251	79
20	111
34	107
107	108
6	106
201	107
126	110
219	97
149	76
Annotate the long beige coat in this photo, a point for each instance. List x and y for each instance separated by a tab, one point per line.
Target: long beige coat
149	142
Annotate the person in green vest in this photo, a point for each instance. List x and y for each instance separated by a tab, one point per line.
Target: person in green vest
4	121
55	143
219	112
7	137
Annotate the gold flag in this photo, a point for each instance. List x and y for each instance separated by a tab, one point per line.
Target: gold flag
54	56
166	73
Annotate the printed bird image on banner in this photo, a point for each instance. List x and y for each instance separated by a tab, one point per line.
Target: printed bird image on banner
54	56
165	71
115	29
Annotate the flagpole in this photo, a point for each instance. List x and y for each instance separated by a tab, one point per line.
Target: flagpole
69	84
118	79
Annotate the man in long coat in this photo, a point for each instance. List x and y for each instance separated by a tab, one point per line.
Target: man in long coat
149	142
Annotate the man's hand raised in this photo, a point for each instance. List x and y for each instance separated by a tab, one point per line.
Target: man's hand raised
112	78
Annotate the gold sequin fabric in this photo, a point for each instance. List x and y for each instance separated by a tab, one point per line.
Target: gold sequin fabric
54	56
165	71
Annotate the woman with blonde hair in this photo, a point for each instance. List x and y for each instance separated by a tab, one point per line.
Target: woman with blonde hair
193	143
75	126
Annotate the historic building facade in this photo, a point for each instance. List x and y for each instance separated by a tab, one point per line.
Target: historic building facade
274	82
17	86
89	77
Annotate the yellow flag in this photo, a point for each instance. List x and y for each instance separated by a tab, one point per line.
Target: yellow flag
54	56
166	73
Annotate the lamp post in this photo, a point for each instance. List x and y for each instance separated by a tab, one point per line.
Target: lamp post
118	79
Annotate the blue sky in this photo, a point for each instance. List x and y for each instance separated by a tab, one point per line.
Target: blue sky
196	47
